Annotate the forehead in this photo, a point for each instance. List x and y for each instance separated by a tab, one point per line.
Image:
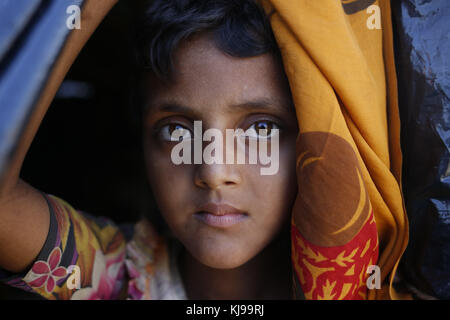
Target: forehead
205	76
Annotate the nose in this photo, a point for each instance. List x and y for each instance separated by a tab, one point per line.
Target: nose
216	176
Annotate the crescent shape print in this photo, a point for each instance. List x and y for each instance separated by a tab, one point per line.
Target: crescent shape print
332	203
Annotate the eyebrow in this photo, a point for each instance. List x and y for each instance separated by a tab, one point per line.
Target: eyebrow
259	104
262	104
174	108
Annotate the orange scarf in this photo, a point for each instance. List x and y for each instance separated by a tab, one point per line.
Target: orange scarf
349	211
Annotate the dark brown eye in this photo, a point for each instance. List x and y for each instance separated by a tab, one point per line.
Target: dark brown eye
174	132
262	129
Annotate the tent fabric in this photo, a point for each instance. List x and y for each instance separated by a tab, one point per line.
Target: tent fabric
421	32
37	56
338	56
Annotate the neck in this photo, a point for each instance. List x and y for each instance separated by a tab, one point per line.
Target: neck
266	276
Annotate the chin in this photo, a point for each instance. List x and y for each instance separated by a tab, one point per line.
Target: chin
222	264
224	261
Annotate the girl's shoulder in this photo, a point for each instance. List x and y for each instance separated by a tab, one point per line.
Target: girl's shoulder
82	257
88	257
152	264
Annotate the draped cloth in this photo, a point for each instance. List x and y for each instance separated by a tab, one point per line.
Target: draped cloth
349	212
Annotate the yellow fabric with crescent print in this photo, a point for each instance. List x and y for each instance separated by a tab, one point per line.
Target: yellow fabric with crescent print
338	56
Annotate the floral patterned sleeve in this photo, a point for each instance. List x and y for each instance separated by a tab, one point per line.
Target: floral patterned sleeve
83	258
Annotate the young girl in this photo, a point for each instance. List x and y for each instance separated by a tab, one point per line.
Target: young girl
227	234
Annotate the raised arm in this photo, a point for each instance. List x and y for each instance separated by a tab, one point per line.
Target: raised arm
24	223
24	213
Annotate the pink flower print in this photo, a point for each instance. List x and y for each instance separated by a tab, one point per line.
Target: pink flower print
107	278
46	273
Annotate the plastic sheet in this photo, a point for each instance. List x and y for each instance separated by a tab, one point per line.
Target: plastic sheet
422	31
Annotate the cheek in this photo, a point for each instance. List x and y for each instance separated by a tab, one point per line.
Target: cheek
168	182
275	194
288	176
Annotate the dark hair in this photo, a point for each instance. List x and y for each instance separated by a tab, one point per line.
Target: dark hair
239	28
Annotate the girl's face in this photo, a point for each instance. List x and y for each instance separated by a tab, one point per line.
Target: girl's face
224	214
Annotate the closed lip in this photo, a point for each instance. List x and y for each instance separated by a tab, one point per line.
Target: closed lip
220	215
